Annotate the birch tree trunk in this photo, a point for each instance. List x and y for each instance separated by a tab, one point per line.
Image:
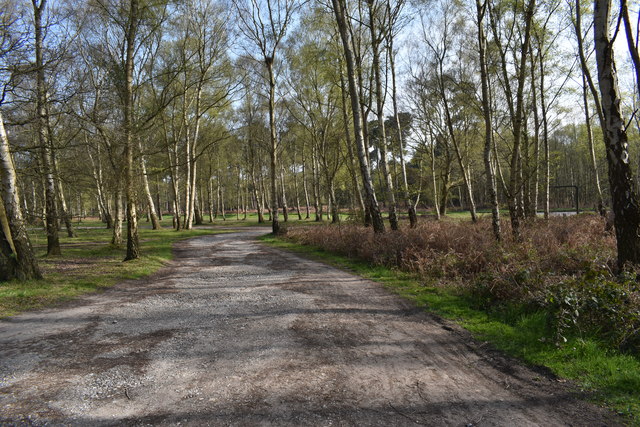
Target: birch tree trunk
592	149
531	209
23	263
295	187
64	211
158	203
304	185
315	175
375	46
285	207
624	195
481	9
413	218
116	236
197	207
238	193
257	197
210	194
517	121
51	216
339	9
155	224
273	147
434	182
351	160
133	242
102	199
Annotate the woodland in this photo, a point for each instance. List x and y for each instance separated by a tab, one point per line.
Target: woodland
381	113
447	140
144	108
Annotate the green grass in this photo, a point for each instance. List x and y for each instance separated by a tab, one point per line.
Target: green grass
610	377
88	263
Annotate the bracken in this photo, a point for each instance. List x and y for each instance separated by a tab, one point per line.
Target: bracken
554	257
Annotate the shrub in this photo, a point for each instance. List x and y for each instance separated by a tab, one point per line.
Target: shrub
597	304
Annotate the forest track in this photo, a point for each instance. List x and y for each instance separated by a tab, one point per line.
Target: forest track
236	333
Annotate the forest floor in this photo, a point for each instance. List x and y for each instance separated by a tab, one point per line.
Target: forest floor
237	333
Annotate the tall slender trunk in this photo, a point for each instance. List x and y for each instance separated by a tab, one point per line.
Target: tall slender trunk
463	168
158	204
192	143
173	160
517	121
295	186
273	147
245	204
210	194
444	192
592	149
197	207
155	224
23	263
221	200
44	139
434	179
256	195
34	201
265	197
534	172
339	9
304	185
355	182
625	203
488	128
335	213
545	140
100	194
65	215
413	218
176	202
317	203
116	236
238	194
375	45
133	242
285	207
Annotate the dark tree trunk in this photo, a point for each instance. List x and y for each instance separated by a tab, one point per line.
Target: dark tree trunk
626	207
488	130
273	147
21	261
133	242
51	218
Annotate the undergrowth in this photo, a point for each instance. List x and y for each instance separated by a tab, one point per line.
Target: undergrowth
563	266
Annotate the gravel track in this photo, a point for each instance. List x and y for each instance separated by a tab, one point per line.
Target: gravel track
235	333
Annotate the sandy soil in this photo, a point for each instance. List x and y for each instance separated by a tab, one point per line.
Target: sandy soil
234	333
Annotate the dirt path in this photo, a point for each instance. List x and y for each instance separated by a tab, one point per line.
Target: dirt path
239	334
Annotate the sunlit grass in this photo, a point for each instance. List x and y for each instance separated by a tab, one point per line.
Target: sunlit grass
88	263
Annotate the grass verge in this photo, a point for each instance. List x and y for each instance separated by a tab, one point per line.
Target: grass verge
88	263
610	377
